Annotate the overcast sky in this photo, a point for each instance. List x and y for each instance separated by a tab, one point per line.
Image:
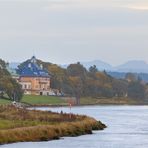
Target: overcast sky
65	31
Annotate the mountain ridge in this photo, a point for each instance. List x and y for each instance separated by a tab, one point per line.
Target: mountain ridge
134	66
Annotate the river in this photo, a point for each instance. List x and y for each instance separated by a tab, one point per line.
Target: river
127	128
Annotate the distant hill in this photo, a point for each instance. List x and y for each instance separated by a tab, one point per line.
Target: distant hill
130	66
133	66
99	64
121	75
13	65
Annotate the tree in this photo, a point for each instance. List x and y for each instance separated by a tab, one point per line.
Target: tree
93	69
136	90
9	85
76	70
2	64
77	86
120	87
130	77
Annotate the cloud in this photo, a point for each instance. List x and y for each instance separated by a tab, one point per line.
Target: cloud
60	5
75	27
140	8
64	5
141	5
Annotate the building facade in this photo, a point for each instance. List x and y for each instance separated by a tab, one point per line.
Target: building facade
34	79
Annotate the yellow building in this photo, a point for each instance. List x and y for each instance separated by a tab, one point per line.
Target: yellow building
34	79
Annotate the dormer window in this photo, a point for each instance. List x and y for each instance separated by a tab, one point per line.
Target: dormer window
29	65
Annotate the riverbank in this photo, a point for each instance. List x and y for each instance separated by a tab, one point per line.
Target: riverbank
54	101
50	101
21	125
111	101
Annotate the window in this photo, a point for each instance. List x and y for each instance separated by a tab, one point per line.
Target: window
25	86
29	86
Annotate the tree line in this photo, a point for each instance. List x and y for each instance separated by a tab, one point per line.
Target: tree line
76	80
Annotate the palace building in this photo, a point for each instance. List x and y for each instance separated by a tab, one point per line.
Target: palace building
33	78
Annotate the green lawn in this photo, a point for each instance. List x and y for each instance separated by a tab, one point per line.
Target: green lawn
88	100
4	101
43	100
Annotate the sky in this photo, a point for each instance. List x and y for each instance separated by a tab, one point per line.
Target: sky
67	31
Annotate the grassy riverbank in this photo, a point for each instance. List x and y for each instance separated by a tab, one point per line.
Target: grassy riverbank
19	125
33	100
38	100
4	101
43	100
55	101
109	101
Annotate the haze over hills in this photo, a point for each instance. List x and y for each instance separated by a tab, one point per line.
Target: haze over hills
99	64
140	68
13	65
134	66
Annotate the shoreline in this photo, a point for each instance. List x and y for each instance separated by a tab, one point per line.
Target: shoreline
44	101
55	106
88	101
33	125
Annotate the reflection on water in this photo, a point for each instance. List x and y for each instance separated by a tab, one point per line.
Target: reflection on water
127	128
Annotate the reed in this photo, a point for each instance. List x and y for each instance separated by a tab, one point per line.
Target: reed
21	125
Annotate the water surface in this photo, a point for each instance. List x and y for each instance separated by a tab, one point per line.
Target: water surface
127	128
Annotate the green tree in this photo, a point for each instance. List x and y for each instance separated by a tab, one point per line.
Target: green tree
9	85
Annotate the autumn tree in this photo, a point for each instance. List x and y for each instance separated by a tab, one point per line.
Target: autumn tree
120	87
77	86
77	77
131	77
136	90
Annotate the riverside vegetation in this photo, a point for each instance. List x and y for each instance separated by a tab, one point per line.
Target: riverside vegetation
76	81
21	125
79	82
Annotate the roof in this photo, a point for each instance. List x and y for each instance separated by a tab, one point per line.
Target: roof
30	68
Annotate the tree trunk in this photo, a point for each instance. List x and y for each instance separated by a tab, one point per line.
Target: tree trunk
78	99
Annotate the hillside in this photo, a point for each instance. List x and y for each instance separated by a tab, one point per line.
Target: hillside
133	66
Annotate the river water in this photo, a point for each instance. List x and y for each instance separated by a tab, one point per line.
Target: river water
127	128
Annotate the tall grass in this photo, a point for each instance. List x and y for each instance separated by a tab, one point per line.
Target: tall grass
19	125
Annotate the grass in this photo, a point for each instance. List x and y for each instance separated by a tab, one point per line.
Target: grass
88	101
55	101
38	100
6	124
107	101
19	125
43	100
4	101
